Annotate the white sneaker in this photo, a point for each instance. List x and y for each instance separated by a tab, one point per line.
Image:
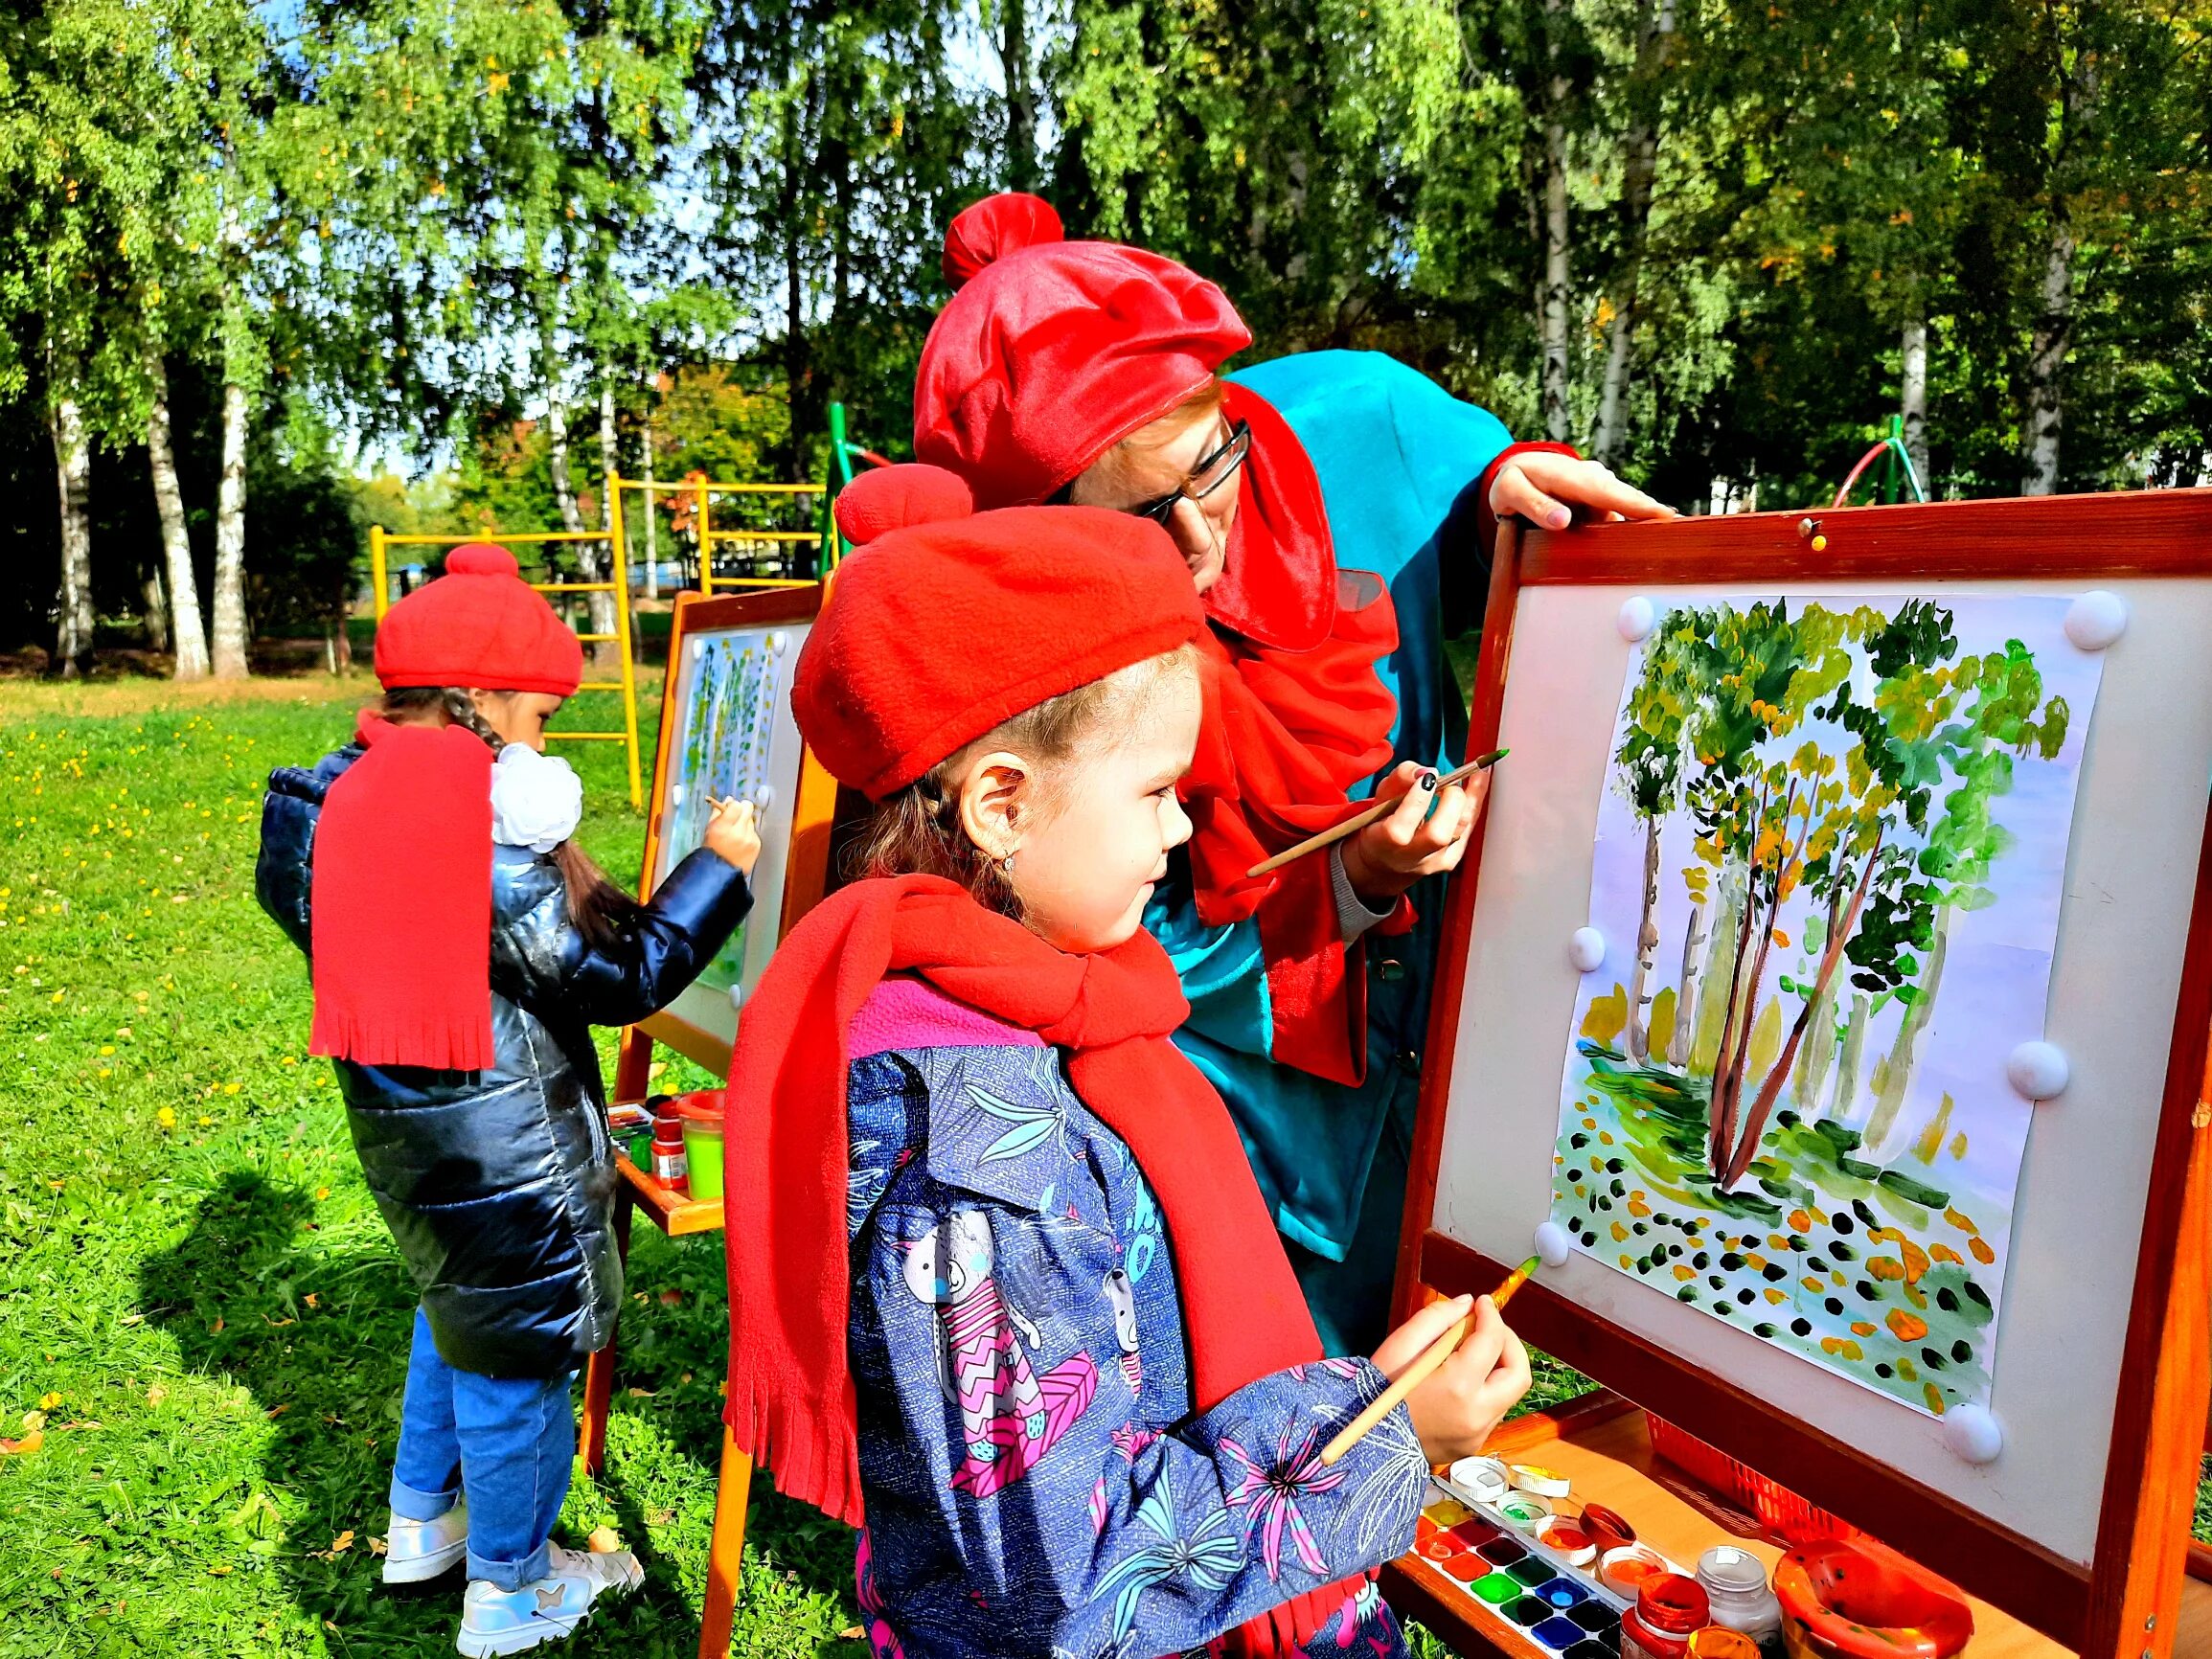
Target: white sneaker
496	1621
416	1550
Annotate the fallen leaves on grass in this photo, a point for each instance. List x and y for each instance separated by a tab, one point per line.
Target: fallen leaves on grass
34	1437
604	1540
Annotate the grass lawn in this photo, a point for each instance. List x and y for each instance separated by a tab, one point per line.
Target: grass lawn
203	1323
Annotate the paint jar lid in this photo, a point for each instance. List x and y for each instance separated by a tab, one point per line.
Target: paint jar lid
1608	1529
1725	1567
705	1107
1543	1481
1671	1603
1719	1642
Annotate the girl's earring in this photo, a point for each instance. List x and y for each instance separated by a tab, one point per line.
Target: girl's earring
1006	864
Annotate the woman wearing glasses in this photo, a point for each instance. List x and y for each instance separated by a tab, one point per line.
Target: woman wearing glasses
1337	510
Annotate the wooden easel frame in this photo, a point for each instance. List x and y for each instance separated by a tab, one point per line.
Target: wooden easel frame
2126	1605
806	879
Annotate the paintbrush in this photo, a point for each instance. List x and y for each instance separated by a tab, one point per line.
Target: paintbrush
1359	820
1420	1370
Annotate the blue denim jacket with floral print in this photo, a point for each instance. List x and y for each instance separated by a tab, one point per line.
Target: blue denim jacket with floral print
1036	1479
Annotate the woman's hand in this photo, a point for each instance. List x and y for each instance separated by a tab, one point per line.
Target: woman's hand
1554	490
733	834
1468	1395
1395	851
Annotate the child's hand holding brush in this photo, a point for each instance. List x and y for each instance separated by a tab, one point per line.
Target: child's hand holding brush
1466	1396
733	833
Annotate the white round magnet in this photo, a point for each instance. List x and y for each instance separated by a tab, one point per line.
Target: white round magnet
1973	1433
1586	950
1639	618
2096	619
779	643
1551	1243
736	996
2039	1069
763	797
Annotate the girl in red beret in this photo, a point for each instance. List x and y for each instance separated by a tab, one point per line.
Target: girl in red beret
1335	510
1003	1291
461	948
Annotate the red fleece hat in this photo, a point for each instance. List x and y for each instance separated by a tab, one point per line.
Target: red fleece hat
942	631
478	626
1053	351
888	498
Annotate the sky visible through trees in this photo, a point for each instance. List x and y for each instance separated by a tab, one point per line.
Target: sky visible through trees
273	271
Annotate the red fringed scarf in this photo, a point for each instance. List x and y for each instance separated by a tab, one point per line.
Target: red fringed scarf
401	897
1296	716
790	1392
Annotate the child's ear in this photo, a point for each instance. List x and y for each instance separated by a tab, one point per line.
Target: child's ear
997	799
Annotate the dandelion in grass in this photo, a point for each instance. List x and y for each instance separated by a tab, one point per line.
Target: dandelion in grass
1273	1490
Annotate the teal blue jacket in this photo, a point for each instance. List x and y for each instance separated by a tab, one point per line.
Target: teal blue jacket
1397	458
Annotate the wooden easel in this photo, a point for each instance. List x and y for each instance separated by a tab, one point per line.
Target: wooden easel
806	877
2134	1598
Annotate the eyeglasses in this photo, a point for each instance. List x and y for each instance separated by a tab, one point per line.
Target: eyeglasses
1208	476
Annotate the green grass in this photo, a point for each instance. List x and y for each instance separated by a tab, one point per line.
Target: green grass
196	1289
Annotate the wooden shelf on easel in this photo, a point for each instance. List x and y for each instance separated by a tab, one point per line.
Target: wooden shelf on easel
673	1209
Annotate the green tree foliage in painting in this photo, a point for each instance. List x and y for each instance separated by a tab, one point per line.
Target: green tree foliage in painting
1847	816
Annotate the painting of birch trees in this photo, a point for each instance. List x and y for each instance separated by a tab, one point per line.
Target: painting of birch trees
1829	865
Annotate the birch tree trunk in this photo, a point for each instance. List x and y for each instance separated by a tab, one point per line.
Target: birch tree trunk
187	632
72	480
652	511
2054	331
556	421
1893	1072
1639	167
599	564
1683	1039
1843	1105
229	655
1552	308
155	616
1912	390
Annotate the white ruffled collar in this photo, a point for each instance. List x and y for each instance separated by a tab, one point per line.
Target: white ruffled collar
536	800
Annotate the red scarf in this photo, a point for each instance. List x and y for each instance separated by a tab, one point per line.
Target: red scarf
790	1392
1296	716
401	903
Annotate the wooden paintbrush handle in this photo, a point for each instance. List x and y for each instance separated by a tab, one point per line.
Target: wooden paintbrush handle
1359	821
1389	1399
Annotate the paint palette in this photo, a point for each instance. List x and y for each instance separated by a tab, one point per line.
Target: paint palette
1553	1606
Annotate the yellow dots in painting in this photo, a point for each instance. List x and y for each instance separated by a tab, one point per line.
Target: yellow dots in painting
1887	1269
1814	1282
1917	1297
1589	1123
1884	1235
1620	1234
1776	1242
1861	1328
1906	1370
1960	1221
1685	1274
1640	1209
1628	1264
1605	1137
1934	1398
1836	1278
1905	1327
1841	1348
1753	1259
1800	1222
1915	1261
1945	1252
1982	1253
1775	1296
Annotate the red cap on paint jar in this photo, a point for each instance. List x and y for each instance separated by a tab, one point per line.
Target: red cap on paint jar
1608	1529
1669	1602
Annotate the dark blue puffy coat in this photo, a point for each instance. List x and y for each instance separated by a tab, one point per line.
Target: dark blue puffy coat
499	1184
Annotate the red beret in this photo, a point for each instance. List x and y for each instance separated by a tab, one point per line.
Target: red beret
478	626
1054	351
888	498
941	631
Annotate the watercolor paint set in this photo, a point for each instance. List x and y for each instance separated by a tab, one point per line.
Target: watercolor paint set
1512	1538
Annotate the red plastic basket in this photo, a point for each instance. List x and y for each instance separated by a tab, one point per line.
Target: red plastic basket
1780	1510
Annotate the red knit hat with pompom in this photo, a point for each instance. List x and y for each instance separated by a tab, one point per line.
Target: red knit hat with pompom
1053	351
888	498
478	626
942	630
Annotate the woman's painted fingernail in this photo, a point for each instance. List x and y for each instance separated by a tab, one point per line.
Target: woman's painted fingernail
1426	781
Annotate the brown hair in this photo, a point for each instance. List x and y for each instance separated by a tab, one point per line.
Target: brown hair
917	831
1202	402
597	908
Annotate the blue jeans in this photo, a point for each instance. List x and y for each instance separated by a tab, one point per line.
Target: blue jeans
510	1443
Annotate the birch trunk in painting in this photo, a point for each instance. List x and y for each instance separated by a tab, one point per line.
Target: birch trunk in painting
1722	1129
1893	1072
1553	309
1843	1105
1640	986
1682	1040
229	641
1717	984
187	633
1770	1091
73	483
